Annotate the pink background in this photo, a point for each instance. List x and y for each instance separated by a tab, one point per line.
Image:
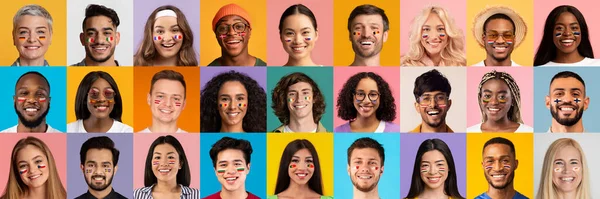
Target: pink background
522	75
389	74
57	142
590	12
322	54
141	145
410	9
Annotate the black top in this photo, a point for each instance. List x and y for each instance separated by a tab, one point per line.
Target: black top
111	195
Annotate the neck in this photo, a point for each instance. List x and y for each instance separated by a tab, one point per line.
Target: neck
490	61
40	128
506	193
305	124
101	194
572	57
305	61
235	194
39	192
435	58
161	61
363	61
232	128
557	127
109	62
244	59
567	195
163	127
93	124
31	62
497	124
373	194
437	193
167	186
299	191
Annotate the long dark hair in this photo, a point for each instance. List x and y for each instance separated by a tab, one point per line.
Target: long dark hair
283	178
417	186
547	50
183	175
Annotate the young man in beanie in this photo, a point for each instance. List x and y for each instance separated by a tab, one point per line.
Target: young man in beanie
232	27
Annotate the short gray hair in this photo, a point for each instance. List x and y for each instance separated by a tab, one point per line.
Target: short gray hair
32	10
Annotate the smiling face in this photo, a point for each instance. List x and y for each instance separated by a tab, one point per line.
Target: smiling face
567	169
100	99
300	100
499	39
298	36
233	34
165	163
100	38
32	165
499	165
366	98
167	36
433	107
567	100
365	169
433	35
434	169
496	99
98	169
32	37
231	169
167	100
301	167
367	35
567	34
233	103
32	100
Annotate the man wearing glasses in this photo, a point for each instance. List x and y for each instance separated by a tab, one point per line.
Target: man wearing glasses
232	26
499	30
432	92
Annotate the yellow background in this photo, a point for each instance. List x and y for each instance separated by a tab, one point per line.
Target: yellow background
523	55
210	49
323	142
343	55
122	75
56	54
523	181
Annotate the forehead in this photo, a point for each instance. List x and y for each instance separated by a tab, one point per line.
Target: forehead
168	86
567	153
30	20
165	22
300	86
230	155
499	25
99	22
32	80
99	155
371	19
496	150
365	153
566	83
28	152
233	87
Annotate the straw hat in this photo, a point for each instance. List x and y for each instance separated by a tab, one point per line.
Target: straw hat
520	26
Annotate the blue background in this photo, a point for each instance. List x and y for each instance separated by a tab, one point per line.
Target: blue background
255	181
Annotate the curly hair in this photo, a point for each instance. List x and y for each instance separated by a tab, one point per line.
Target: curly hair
345	101
279	97
255	119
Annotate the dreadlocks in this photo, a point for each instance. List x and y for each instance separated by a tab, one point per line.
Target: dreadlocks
514	113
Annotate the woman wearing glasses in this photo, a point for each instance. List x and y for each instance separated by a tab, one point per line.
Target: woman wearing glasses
366	101
232	26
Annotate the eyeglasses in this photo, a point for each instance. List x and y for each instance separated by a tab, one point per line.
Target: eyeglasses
440	99
238	27
360	96
108	93
493	35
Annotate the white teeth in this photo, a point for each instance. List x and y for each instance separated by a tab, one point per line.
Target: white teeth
31	109
498	176
567	179
366	43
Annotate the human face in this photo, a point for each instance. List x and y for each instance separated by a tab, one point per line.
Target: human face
167	36
32	37
367	35
366	98
433	107
567	100
231	169
101	99
365	169
300	100
100	38
499	39
567	169
32	100
301	167
434	169
567	34
166	100
433	35
496	99
232	42
298	36
98	169
233	103
33	166
165	163
499	165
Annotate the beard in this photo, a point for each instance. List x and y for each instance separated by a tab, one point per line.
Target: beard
509	182
566	121
99	60
36	122
99	187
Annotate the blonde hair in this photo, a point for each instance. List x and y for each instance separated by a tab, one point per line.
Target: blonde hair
452	55
547	190
15	187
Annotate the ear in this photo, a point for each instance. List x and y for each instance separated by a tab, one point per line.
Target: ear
148	99
586	103
385	36
82	39
547	101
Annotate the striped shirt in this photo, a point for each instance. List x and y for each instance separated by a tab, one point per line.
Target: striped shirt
186	193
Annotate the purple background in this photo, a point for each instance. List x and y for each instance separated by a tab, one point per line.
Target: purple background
143	9
123	179
257	73
409	144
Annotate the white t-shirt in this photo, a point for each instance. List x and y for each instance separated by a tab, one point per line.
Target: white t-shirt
147	130
117	127
482	64
585	62
522	129
14	130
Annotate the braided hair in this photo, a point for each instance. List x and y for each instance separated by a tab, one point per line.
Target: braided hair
514	113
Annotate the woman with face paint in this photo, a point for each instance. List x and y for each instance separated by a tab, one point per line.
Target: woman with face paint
98	106
366	101
566	40
299	173
298	34
233	102
33	172
435	40
168	40
434	173
499	100
167	172
565	173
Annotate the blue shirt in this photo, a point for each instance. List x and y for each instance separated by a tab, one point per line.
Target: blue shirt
517	196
